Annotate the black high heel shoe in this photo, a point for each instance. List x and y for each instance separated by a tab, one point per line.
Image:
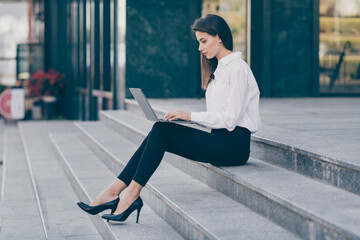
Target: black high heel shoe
93	210
136	205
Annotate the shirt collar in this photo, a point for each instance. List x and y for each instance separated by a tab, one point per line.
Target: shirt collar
228	58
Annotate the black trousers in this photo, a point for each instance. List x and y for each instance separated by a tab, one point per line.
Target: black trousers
220	148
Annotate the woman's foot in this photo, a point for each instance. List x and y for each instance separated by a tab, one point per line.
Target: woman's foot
99	208
125	203
103	198
129	197
136	205
110	193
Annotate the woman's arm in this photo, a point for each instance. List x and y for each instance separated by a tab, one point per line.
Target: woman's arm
236	105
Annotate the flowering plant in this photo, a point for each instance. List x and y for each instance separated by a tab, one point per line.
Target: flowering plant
43	83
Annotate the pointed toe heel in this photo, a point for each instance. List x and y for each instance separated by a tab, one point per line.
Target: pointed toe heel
93	210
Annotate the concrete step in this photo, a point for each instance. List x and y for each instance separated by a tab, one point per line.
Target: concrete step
89	176
190	206
19	213
295	154
301	205
56	197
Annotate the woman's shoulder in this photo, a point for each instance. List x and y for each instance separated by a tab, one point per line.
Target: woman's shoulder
238	65
239	69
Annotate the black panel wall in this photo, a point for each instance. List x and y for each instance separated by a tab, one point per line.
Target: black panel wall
160	52
283	49
58	51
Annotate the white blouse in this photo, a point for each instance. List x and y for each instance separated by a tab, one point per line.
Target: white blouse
232	97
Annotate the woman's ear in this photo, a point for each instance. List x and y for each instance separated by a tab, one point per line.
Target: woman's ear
217	35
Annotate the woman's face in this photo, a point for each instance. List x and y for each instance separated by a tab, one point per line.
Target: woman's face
209	45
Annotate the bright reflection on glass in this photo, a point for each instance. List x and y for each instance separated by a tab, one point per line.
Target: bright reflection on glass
235	14
339	47
13	30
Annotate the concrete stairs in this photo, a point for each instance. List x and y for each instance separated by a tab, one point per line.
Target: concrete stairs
297	198
194	209
38	201
18	206
283	192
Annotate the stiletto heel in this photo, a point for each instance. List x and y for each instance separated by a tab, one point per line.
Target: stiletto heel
136	205
138	214
99	208
112	211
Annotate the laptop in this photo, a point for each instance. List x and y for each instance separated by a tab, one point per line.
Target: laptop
149	111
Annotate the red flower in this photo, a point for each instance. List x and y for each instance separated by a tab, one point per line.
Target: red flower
49	83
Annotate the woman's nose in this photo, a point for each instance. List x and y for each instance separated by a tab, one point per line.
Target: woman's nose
200	48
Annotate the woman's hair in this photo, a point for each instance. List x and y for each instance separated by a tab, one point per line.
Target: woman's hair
212	25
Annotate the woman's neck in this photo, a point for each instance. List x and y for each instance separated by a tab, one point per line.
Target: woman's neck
223	53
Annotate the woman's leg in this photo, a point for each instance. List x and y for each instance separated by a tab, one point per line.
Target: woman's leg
190	143
118	185
184	141
128	172
130	195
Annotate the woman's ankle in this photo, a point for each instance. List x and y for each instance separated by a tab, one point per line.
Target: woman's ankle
104	198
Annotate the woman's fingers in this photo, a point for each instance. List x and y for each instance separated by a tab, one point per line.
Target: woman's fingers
172	115
177	114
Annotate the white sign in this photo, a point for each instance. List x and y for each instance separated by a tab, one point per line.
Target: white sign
12	103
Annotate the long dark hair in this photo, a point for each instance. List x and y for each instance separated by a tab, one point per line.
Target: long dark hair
212	25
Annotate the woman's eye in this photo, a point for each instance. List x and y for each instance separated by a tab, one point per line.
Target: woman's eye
203	42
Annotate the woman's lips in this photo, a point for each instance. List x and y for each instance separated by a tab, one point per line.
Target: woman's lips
205	53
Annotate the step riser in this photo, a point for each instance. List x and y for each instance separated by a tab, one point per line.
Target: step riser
311	166
131	134
170	213
291	219
99	223
134	108
299	161
253	200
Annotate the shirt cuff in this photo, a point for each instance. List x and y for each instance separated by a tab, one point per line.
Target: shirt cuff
196	116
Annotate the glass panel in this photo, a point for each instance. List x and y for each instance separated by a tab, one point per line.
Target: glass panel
120	54
74	40
235	14
14	29
339	49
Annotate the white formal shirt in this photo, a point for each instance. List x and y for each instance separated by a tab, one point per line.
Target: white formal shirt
232	97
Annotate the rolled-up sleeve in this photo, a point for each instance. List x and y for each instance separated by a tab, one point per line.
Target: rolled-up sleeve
235	108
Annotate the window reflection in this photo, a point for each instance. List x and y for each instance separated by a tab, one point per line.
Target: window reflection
14	28
339	47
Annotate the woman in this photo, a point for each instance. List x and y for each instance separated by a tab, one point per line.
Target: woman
232	99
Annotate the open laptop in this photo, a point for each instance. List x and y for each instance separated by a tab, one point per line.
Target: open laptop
148	110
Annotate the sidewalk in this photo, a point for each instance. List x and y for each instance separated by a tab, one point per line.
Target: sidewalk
326	126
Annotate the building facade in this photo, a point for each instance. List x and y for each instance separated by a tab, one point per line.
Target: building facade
298	48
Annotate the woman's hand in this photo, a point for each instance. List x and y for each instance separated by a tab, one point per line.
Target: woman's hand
178	114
